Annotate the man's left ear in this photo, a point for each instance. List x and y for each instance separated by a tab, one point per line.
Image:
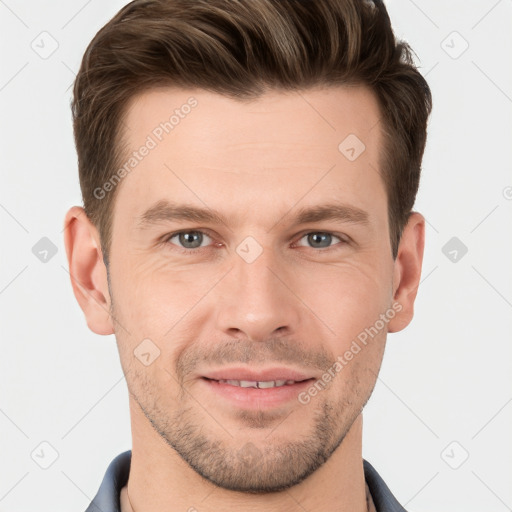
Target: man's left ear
407	271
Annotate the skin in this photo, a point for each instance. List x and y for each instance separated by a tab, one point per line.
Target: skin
300	304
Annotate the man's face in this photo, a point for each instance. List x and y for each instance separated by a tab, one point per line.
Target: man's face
260	296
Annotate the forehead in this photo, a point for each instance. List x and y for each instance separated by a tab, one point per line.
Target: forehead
276	151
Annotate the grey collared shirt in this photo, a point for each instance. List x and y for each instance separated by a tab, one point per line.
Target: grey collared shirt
116	477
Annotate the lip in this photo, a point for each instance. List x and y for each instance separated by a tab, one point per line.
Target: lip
256	398
267	374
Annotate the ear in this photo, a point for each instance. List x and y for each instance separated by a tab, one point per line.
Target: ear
407	271
87	270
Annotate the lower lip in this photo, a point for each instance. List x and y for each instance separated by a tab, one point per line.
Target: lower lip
255	398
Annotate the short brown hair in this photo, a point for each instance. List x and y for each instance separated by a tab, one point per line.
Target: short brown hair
240	49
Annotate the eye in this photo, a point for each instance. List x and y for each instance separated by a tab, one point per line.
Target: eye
321	239
188	240
193	240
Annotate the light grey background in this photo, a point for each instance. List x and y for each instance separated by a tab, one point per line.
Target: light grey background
444	391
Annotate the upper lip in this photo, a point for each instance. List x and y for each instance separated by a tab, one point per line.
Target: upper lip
253	375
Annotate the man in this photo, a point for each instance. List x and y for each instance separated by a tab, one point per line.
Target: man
248	171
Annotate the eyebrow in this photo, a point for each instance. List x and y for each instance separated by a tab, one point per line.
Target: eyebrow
166	211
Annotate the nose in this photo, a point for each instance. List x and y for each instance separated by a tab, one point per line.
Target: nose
256	300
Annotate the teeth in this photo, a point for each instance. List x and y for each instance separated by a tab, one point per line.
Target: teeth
258	384
248	384
269	384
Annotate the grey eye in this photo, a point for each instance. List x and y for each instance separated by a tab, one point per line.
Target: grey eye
320	240
190	239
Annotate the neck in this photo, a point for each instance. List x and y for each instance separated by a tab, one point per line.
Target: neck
159	479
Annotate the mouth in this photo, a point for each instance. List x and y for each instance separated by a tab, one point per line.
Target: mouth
249	389
259	384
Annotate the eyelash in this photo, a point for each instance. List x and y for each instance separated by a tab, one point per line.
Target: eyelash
167	240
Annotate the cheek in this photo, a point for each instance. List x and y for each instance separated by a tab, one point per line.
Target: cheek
347	299
156	300
357	362
152	297
158	303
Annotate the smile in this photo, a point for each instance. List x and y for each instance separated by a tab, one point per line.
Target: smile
258	384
